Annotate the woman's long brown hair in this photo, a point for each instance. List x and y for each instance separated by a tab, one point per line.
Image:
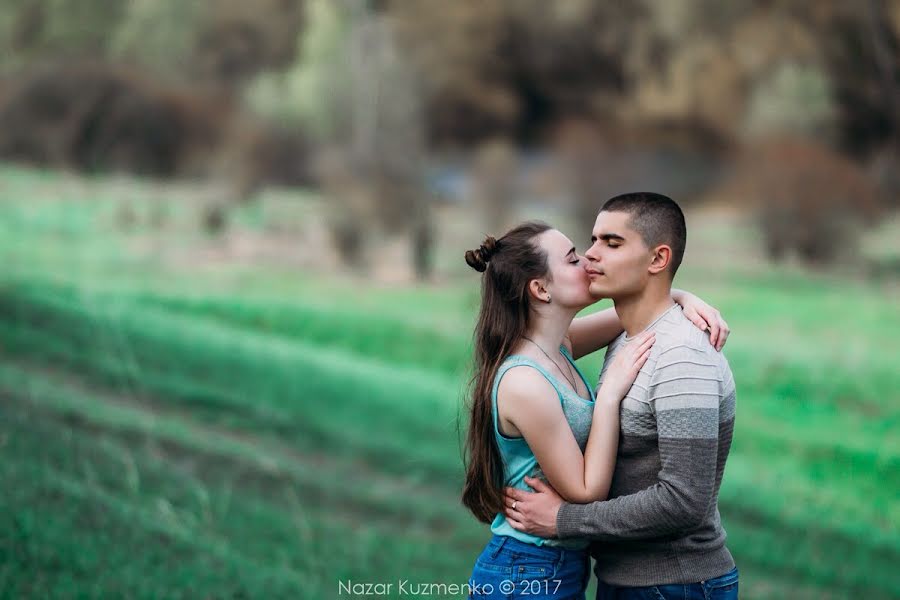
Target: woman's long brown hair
508	265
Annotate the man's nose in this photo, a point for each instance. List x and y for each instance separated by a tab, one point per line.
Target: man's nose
591	254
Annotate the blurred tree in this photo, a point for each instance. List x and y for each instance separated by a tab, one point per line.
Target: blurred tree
861	45
502	68
374	163
28	23
494	175
40	30
158	34
792	98
237	40
461	49
572	57
305	94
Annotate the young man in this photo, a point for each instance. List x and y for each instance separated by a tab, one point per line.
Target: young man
659	535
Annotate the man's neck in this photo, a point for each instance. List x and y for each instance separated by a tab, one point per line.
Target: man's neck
637	312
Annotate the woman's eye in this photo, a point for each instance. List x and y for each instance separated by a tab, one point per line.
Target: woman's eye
575	262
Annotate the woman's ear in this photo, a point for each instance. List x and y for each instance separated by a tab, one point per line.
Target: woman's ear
538	290
662	255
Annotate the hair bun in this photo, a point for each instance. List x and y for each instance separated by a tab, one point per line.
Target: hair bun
478	259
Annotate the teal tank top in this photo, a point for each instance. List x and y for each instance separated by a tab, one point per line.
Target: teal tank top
519	461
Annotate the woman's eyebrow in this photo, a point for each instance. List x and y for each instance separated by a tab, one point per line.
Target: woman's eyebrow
571	251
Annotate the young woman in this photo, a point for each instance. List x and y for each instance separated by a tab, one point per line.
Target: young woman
533	414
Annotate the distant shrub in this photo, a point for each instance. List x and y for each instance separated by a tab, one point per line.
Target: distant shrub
808	199
93	116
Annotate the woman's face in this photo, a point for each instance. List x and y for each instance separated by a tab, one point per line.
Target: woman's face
569	284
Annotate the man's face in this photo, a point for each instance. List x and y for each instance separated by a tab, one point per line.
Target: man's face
618	259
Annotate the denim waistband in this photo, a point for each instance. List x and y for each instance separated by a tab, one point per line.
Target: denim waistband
511	544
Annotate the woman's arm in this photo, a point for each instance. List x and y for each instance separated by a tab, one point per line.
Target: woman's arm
529	402
590	333
703	316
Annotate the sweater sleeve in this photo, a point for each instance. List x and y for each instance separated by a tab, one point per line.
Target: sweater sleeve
684	393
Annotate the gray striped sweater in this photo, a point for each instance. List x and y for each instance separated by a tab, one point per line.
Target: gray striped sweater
661	524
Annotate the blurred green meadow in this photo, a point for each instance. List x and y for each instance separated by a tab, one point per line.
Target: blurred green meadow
181	421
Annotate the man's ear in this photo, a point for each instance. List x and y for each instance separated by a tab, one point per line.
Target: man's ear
662	256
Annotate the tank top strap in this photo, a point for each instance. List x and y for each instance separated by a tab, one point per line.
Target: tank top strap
517	360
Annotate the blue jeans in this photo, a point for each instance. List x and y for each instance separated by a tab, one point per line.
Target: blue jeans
508	568
724	587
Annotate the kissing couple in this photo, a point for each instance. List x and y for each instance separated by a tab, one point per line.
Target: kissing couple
627	471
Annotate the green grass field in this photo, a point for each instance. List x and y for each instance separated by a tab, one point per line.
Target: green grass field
172	428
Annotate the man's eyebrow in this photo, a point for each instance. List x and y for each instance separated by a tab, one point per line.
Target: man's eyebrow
608	236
